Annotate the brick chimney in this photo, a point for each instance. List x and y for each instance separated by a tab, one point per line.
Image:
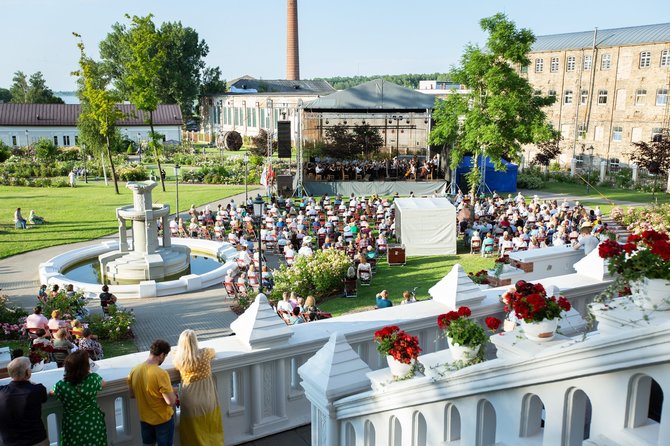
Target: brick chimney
292	53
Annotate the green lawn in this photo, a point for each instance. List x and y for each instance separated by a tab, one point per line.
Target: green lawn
83	213
111	348
421	272
608	192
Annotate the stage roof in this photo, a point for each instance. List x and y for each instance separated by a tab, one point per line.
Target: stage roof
374	95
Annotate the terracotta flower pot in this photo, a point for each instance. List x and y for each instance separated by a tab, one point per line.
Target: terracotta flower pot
542	331
399	369
652	294
462	352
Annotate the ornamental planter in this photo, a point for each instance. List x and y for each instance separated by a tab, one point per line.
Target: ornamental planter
542	331
37	367
652	294
399	369
462	352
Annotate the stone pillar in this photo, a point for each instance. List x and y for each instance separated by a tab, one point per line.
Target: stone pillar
603	170
573	167
151	230
123	234
635	172
167	237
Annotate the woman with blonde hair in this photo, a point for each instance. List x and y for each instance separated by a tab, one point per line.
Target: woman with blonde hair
200	421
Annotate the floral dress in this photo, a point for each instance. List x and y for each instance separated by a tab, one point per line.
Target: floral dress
83	421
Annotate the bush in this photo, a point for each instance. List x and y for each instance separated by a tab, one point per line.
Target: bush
319	275
133	172
68	154
69	307
5	152
529	180
46	150
11	319
116	325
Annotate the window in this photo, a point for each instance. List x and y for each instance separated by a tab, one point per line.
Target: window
572	62
640	94
617	133
588	61
568	97
599	133
539	65
605	61
552	93
55	140
665	58
645	59
249	109
66	140
584	96
580	159
524	69
14	140
656	134
76	140
602	96
614	164
636	134
554	65
661	96
582	129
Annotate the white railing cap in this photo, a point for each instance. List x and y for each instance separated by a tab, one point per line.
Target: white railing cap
456	289
260	326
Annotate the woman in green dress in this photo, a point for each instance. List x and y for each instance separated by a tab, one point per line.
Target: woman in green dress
83	421
200	421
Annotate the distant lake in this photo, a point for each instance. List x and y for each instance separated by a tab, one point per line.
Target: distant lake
69	97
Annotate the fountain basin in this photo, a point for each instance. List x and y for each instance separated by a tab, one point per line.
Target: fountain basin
51	272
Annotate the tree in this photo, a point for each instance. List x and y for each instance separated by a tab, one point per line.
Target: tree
5	96
46	151
212	82
5	152
32	91
653	156
339	143
99	113
501	113
366	139
547	151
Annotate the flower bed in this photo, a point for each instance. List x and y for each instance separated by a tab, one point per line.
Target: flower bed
643	219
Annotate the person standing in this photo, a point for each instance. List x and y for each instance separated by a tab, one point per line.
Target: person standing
200	421
150	386
72	176
21	407
83	420
106	299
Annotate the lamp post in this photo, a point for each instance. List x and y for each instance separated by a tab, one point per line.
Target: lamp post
588	178
246	178
27	139
259	208
176	179
83	146
139	143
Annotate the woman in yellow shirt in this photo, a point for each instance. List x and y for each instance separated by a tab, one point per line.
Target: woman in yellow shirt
200	422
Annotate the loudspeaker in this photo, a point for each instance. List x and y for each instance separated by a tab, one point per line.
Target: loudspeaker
285	185
395	255
284	139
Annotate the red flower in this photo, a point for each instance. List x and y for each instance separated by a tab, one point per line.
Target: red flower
493	323
609	248
464	312
629	247
661	248
564	303
633	238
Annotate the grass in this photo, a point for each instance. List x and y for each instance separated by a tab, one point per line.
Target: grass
421	272
111	348
609	192
83	213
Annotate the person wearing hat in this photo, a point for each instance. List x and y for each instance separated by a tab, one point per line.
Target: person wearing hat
586	239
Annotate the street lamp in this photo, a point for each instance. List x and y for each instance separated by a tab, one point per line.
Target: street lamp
246	178
139	143
27	139
259	212
83	146
588	178
176	179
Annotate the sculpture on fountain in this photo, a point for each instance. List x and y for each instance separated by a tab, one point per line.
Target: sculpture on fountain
144	258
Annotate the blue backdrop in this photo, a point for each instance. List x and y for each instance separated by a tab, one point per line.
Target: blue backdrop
496	180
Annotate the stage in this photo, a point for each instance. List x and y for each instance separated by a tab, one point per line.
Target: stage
381	188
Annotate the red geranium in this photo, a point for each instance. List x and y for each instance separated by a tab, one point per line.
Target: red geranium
531	303
492	322
394	342
644	255
462	330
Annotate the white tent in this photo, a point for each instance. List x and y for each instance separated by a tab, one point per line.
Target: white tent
426	226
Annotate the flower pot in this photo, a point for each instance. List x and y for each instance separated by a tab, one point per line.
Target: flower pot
399	369
652	294
542	331
37	367
462	352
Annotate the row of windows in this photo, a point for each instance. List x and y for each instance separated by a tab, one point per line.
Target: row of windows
617	133
603	96
66	140
645	61
254	117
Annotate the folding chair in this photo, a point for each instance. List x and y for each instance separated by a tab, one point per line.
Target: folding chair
231	289
475	246
350	288
365	278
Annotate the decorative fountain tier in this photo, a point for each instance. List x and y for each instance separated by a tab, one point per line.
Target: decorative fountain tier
144	258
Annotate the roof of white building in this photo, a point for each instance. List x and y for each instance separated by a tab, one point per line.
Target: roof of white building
247	84
66	115
633	35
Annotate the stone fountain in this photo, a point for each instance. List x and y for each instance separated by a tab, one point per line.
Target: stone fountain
144	258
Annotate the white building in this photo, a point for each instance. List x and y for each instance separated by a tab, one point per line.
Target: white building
25	124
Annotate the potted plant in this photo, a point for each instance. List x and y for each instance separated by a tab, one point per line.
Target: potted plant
643	264
464	336
401	350
480	277
538	313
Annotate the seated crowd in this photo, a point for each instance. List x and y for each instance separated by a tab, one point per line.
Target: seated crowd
369	170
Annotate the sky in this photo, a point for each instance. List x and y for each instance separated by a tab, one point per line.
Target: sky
337	38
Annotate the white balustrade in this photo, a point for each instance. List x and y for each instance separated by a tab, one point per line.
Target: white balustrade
256	371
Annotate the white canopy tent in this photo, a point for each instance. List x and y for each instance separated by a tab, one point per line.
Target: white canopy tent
426	226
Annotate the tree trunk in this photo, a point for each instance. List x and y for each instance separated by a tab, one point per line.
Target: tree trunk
111	165
153	141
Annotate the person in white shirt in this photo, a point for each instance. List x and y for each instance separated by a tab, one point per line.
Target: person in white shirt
244	255
305	250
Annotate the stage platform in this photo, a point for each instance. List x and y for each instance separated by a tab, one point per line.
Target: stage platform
381	188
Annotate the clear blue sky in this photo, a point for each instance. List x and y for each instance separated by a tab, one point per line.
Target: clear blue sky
344	37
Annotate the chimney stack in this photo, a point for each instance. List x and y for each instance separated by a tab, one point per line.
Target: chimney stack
292	56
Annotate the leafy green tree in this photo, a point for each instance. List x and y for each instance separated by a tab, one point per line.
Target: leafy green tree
5	95
366	139
212	83
32	91
339	142
5	152
99	112
46	151
653	156
501	113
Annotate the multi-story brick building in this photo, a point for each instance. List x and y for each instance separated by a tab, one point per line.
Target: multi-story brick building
611	88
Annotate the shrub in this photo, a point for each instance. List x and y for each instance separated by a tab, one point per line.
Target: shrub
320	274
5	152
68	154
46	150
11	319
115	326
529	180
69	307
133	172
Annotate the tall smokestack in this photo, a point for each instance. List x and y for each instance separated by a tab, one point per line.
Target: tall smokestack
292	54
